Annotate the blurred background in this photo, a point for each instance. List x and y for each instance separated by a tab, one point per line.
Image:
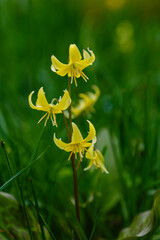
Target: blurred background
125	37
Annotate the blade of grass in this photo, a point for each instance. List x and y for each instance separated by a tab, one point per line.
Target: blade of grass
45	223
48	228
37	210
36	149
95	223
21	171
10	169
25	212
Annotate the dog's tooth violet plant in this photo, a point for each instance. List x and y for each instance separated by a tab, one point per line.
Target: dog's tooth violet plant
77	146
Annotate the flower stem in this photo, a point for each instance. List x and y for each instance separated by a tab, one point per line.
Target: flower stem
76	188
70	109
73	162
66	125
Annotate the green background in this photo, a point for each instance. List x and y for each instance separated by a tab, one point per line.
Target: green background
125	37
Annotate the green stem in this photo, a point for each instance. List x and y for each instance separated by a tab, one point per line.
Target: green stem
73	162
66	125
70	109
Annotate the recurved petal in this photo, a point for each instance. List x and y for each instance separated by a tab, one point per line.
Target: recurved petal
89	166
74	54
85	54
89	153
64	71
41	100
97	91
76	134
84	96
56	64
86	62
64	102
31	104
91	134
86	144
61	144
100	161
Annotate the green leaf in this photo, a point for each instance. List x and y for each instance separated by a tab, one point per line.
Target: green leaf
13	222
144	224
21	171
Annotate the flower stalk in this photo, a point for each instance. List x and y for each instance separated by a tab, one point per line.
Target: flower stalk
73	162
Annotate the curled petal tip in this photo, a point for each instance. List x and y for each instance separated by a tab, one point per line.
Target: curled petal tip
53	69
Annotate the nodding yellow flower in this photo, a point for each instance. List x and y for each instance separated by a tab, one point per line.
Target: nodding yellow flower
77	144
50	109
76	64
96	158
86	102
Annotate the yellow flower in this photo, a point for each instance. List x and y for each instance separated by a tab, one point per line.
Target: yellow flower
50	109
96	158
76	64
86	102
77	144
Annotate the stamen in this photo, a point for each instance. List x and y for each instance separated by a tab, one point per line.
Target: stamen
71	77
83	75
54	117
53	123
70	156
42	118
46	119
75	81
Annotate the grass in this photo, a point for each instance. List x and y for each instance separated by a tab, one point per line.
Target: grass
126	42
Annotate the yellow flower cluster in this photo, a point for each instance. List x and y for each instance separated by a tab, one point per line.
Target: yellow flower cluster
78	144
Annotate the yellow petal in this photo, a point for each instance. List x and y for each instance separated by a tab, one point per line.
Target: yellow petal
97	91
32	105
86	62
64	102
84	96
89	166
56	64
41	100
86	144
100	161
74	54
92	132
63	71
89	153
76	134
62	145
94	140
85	54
